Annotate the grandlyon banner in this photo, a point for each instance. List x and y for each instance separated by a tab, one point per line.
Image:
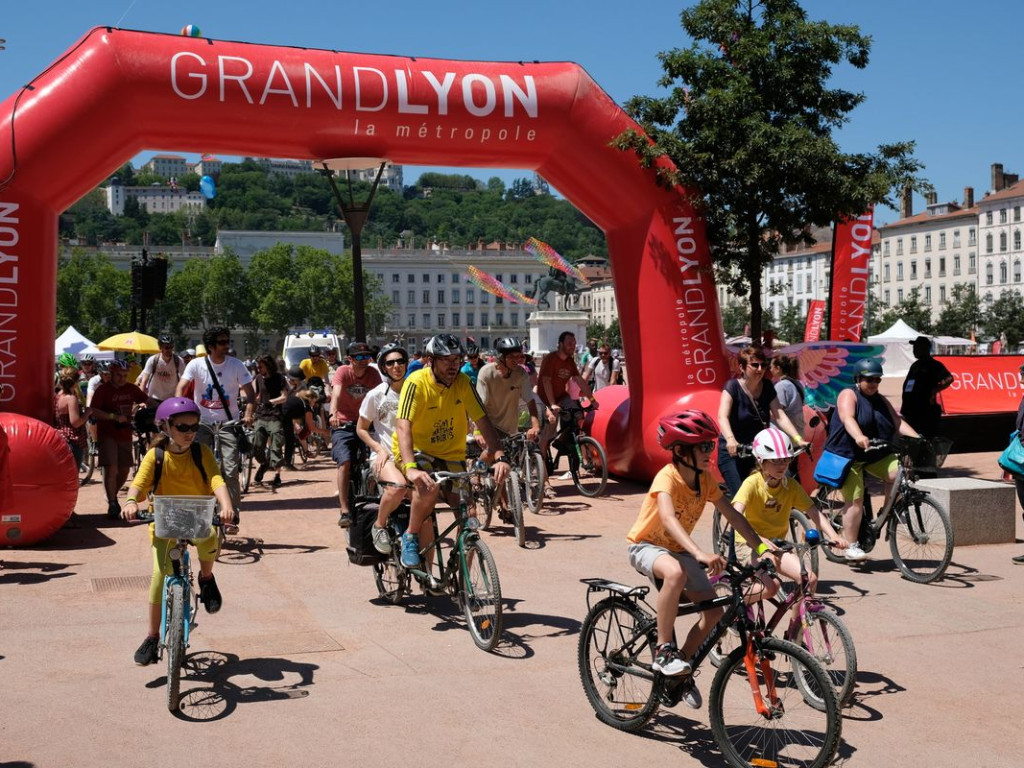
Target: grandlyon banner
851	263
982	384
815	318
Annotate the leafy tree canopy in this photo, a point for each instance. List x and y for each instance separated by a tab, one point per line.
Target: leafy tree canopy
748	122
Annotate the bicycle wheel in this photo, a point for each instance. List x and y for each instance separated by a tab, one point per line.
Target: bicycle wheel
174	641
246	461
589	467
88	465
921	539
391	579
721	534
616	673
799	525
515	505
730	639
760	717
483	499
830	504
534	476
829	641
481	595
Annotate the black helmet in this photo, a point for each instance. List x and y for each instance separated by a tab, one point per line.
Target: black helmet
358	348
295	372
869	366
443	345
314	350
165	341
507	346
387	349
472	350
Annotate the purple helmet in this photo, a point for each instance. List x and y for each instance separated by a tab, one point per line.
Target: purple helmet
176	406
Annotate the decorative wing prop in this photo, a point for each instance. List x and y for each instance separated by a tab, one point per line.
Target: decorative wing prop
521	298
553	258
826	367
488	283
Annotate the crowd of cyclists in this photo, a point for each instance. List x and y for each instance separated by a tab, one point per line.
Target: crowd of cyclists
416	414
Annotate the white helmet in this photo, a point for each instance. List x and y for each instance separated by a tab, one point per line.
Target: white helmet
773	443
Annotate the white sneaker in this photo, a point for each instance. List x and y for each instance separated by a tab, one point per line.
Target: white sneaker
668	661
691	695
855	554
566	476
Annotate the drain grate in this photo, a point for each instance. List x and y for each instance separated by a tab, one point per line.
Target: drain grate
121	584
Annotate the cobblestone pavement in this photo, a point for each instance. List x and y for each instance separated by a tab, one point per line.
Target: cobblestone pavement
304	665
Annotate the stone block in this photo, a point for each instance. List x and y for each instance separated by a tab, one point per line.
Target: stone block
981	511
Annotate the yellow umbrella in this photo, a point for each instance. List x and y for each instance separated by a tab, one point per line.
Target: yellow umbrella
131	342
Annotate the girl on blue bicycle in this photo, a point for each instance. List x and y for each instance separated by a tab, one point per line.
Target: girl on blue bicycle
180	467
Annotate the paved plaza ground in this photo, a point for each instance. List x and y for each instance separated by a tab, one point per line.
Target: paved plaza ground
305	666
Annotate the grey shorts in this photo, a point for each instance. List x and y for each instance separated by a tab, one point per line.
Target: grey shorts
643	555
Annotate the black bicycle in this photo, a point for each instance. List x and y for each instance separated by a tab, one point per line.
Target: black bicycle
917	527
759	707
588	464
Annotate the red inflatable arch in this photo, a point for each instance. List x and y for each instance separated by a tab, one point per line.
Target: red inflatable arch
116	93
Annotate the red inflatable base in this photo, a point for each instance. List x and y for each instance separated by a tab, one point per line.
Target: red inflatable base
44	482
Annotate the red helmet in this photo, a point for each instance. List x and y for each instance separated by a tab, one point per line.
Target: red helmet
686	428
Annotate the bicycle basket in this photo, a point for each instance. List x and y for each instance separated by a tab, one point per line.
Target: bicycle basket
926	453
183	517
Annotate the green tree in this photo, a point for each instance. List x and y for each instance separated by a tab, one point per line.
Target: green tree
962	314
1006	315
749	124
735	317
911	310
92	295
791	324
610	335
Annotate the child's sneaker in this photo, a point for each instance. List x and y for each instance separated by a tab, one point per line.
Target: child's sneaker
147	653
668	661
691	694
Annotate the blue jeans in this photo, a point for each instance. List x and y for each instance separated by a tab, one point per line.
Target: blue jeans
734	469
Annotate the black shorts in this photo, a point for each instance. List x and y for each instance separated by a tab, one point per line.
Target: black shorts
344	444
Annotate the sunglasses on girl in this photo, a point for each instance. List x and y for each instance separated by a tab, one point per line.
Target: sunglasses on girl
186	428
756	365
871	379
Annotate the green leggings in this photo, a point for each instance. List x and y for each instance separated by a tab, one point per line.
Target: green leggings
206	549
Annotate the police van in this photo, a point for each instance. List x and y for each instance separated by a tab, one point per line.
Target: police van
297	344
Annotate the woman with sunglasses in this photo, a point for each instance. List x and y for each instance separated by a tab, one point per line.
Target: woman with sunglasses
378	410
863	413
177	418
748	405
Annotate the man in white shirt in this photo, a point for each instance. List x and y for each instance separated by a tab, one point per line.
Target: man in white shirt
161	373
601	370
232	376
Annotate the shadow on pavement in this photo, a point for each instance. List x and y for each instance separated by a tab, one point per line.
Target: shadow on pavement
537	538
246	551
869	685
17	764
11	573
225	672
86	536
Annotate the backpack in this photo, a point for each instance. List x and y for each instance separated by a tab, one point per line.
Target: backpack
360	547
197	458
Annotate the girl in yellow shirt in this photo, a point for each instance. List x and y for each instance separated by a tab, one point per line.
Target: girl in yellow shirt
178	421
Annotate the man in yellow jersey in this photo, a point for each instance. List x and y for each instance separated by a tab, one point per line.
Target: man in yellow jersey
430	433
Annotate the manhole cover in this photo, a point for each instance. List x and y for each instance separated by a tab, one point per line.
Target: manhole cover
121	584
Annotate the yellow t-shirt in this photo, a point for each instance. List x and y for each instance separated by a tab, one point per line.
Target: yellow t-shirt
134	371
180	475
311	368
438	414
767	509
687	504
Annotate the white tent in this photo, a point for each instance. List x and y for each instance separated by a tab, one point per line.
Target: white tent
75	343
899	354
953	345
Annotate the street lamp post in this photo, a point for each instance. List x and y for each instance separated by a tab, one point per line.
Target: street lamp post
355	215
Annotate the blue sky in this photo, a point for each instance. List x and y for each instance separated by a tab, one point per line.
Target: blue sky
941	73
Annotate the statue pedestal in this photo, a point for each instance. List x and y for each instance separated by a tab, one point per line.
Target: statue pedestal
547	325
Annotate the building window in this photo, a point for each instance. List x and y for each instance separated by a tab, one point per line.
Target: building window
426	321
988	218
1002	272
513	278
913	269
1002	215
972	263
394	297
440	295
927	242
988	243
888	276
484	319
395	277
411	297
899	295
913	244
411	278
956	265
440	320
455	295
927	268
470	319
499	319
499	277
412	320
1016	239
807	283
942	267
928	295
426	297
972	237
1002	241
470	295
899	246
514	319
426	277
956	238
886	248
485	298
455	277
455	319
529	279
988	297
942	294
888	297
942	241
989	274
1016	271
440	279
899	270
